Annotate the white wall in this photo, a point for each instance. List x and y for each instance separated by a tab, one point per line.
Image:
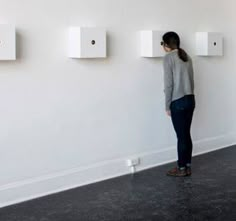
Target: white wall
68	122
233	51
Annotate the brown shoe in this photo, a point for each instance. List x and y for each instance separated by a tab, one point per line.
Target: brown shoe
177	172
188	171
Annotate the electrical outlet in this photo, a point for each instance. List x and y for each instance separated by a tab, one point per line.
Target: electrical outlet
133	162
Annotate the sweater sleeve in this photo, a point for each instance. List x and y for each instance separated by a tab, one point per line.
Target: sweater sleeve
192	74
168	82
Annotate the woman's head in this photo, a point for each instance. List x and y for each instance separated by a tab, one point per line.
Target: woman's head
171	41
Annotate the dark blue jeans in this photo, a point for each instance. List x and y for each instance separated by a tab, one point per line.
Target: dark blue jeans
181	115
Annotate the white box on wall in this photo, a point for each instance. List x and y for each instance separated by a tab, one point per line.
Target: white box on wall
209	44
7	42
87	42
151	43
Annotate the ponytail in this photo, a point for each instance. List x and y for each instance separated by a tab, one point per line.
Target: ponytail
182	55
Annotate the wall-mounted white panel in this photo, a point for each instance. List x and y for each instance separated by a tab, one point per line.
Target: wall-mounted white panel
151	43
87	42
209	44
7	42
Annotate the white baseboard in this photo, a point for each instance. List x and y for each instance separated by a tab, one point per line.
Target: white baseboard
53	183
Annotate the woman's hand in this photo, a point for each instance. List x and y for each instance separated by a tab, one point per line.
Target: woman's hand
168	113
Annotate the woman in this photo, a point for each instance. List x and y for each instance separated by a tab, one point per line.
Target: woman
180	100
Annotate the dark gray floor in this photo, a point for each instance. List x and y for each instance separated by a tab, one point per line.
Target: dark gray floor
210	194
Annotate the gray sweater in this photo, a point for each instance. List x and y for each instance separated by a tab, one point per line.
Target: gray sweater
178	77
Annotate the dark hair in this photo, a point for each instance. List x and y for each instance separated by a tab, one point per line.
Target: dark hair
172	41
